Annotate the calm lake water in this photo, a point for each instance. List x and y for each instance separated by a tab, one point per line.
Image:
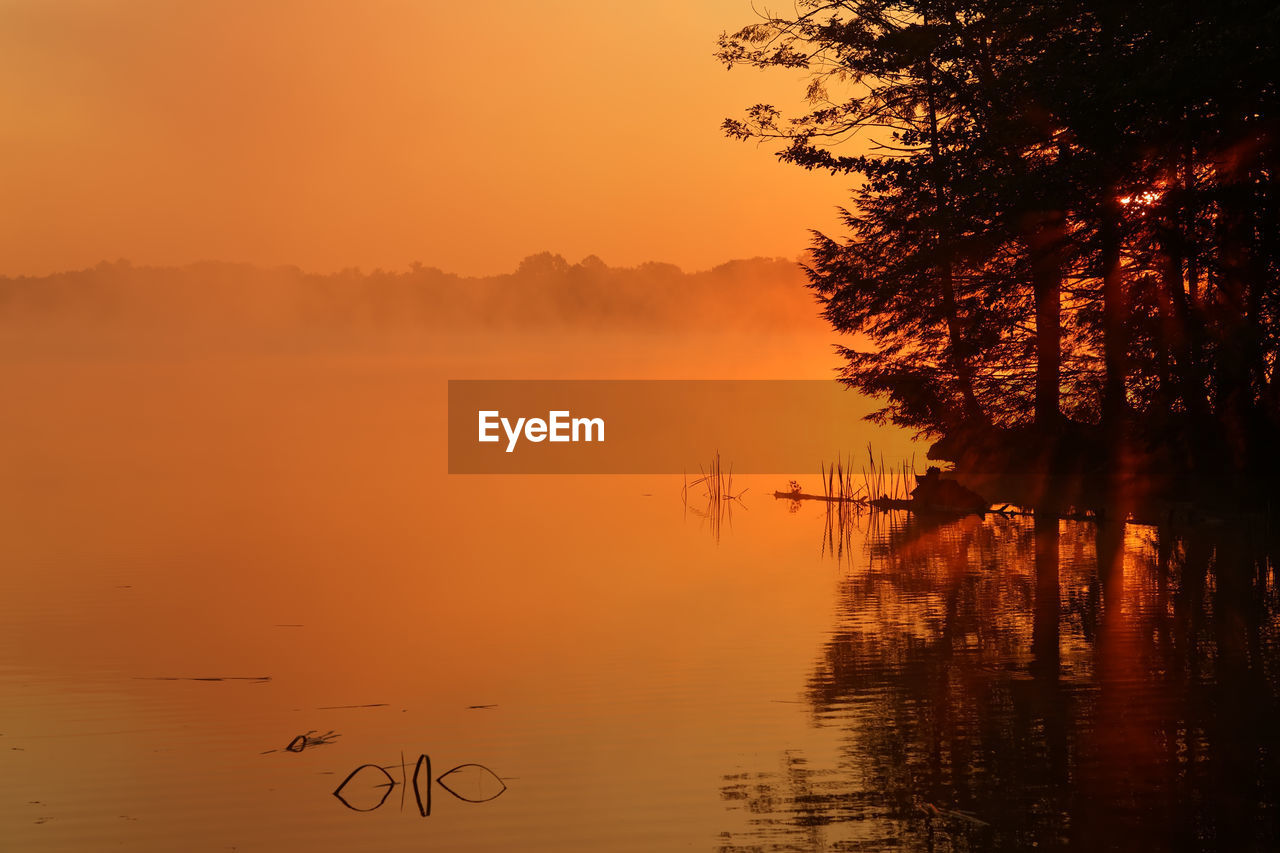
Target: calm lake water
204	559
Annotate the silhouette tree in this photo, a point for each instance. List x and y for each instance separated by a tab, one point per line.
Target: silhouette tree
1064	218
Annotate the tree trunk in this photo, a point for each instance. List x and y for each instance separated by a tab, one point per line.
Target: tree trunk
1045	233
1177	292
946	277
1232	391
1115	315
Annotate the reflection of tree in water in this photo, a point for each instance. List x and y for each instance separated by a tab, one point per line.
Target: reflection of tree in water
1005	683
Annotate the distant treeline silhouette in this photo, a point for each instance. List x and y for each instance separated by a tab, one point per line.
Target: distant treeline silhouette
1064	232
545	290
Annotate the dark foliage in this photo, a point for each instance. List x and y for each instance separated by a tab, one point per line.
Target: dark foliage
1065	213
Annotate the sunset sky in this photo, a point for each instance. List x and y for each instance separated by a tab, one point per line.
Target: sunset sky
377	133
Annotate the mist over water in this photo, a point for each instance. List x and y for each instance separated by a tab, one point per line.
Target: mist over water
226	523
208	483
202	309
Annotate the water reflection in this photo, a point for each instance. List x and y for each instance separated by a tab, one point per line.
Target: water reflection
1007	682
366	788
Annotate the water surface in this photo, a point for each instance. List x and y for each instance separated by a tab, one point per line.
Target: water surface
205	558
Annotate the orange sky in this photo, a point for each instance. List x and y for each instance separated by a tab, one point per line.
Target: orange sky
378	132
